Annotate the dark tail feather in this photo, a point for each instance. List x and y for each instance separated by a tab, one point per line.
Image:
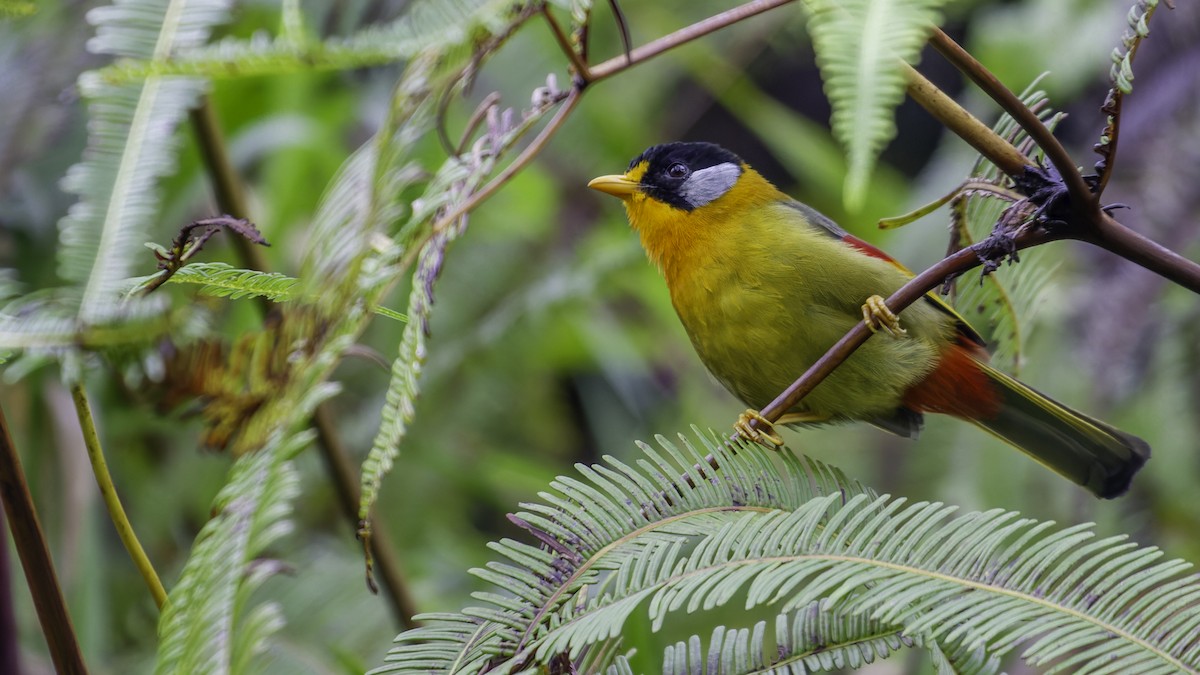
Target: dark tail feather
1084	450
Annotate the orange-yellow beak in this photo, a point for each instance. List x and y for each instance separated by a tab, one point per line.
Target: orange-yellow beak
617	186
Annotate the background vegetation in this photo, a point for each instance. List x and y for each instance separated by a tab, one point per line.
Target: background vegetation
553	341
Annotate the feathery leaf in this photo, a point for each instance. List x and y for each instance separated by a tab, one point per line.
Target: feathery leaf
1002	305
206	626
860	46
131	145
971	588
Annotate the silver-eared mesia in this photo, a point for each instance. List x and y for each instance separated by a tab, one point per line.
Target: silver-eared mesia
764	285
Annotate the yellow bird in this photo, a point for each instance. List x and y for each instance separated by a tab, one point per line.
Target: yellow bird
764	285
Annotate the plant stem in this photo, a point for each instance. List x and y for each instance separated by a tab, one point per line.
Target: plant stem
337	462
1111	235
954	264
36	561
108	491
527	155
581	67
231	199
227	187
968	127
684	35
1082	198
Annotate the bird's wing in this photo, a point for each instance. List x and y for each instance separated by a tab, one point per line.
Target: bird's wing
824	223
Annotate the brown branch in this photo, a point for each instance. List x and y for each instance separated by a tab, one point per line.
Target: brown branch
383	552
35	560
684	35
227	186
1082	198
582	72
606	69
1103	231
1117	238
968	127
231	199
952	265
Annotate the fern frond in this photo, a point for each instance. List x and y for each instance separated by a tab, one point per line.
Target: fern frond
207	625
808	640
860	46
457	180
1121	73
639	508
1121	77
42	331
43	325
221	280
131	144
431	24
976	586
1001	306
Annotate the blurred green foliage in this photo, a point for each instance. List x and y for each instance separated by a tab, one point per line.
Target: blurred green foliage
553	340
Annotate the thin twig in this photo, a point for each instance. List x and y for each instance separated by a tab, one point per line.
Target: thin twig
383	553
227	187
957	119
581	67
475	120
230	198
1082	198
622	27
684	35
35	560
10	643
527	155
112	502
954	264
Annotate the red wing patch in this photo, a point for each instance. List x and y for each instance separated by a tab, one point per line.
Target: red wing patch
871	250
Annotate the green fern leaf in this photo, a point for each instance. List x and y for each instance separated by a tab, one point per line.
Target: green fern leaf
808	640
1121	73
458	179
664	539
1003	305
131	145
645	507
221	280
860	46
1121	77
206	626
429	25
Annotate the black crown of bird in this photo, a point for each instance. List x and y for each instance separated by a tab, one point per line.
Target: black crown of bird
764	285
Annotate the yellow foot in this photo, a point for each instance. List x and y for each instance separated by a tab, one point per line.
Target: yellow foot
763	434
877	315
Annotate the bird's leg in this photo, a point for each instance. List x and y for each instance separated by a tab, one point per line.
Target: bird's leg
877	315
763	434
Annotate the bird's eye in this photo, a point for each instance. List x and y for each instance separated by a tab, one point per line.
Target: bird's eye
678	170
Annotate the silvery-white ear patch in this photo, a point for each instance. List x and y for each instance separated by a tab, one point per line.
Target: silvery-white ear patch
705	185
